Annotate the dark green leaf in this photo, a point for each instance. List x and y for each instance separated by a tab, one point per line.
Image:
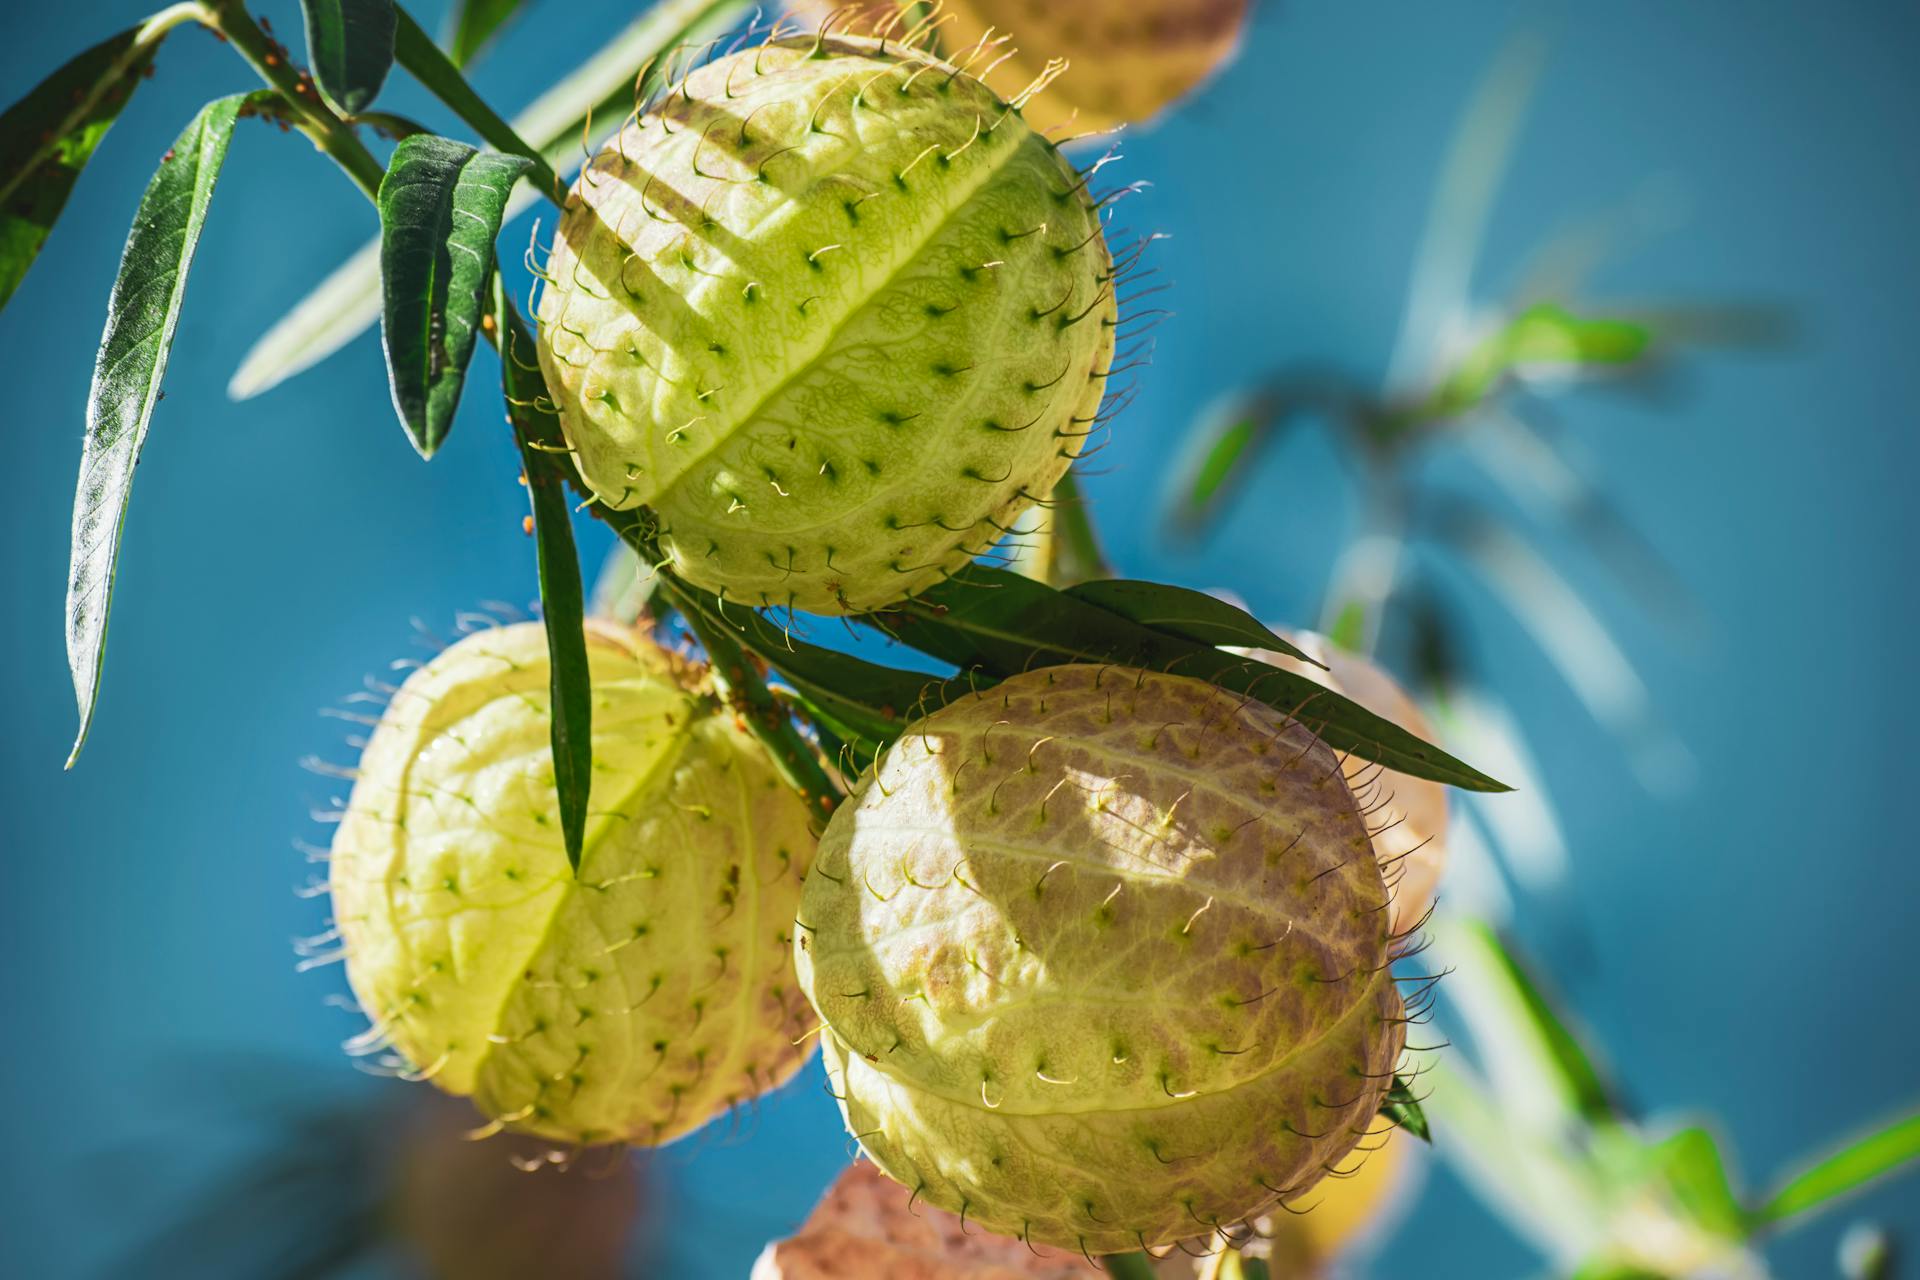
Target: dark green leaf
866	705
472	23
48	136
440	208
1130	1266
1403	1109
997	624
429	65
1874	1156
350	43
585	107
536	429
1192	615
1585	1087
141	317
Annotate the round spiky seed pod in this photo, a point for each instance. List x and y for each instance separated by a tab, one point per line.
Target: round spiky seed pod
1408	814
1102	957
835	314
1126	63
630	1002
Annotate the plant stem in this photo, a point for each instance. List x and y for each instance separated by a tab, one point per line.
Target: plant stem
766	718
415	50
332	135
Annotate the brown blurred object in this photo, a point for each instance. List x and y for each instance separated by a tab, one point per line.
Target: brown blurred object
1128	60
1305	1240
1408	814
864	1228
509	1206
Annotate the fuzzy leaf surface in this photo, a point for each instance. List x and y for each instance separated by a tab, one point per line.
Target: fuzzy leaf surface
48	136
440	209
562	598
997	623
142	314
350	43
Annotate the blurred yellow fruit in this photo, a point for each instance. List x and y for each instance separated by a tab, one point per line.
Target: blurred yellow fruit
1127	62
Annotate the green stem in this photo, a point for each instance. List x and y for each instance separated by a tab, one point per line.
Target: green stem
766	718
415	50
332	135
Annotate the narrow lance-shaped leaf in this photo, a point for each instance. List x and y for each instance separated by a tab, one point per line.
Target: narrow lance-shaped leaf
471	23
1853	1166
588	105
1179	611
48	136
440	209
141	317
1403	1109
562	602
998	623
350	43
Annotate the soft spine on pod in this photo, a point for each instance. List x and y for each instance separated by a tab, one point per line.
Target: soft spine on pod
631	1002
1103	959
834	314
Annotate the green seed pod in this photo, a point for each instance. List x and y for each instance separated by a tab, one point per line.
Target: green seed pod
1103	959
835	314
631	1002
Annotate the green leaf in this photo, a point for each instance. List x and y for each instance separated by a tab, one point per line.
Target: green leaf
587	106
1192	615
1129	1266
350	43
440	209
1689	1163
472	23
429	65
141	317
1580	1081
997	624
1403	1109
1853	1166
1615	1269
1349	627
48	136
866	705
536	429
1542	334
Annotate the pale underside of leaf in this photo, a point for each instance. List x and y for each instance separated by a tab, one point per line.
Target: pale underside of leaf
141	318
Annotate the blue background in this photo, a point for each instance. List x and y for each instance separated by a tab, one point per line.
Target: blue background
1737	940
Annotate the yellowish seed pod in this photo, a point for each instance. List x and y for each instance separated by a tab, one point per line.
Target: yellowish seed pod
630	1002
